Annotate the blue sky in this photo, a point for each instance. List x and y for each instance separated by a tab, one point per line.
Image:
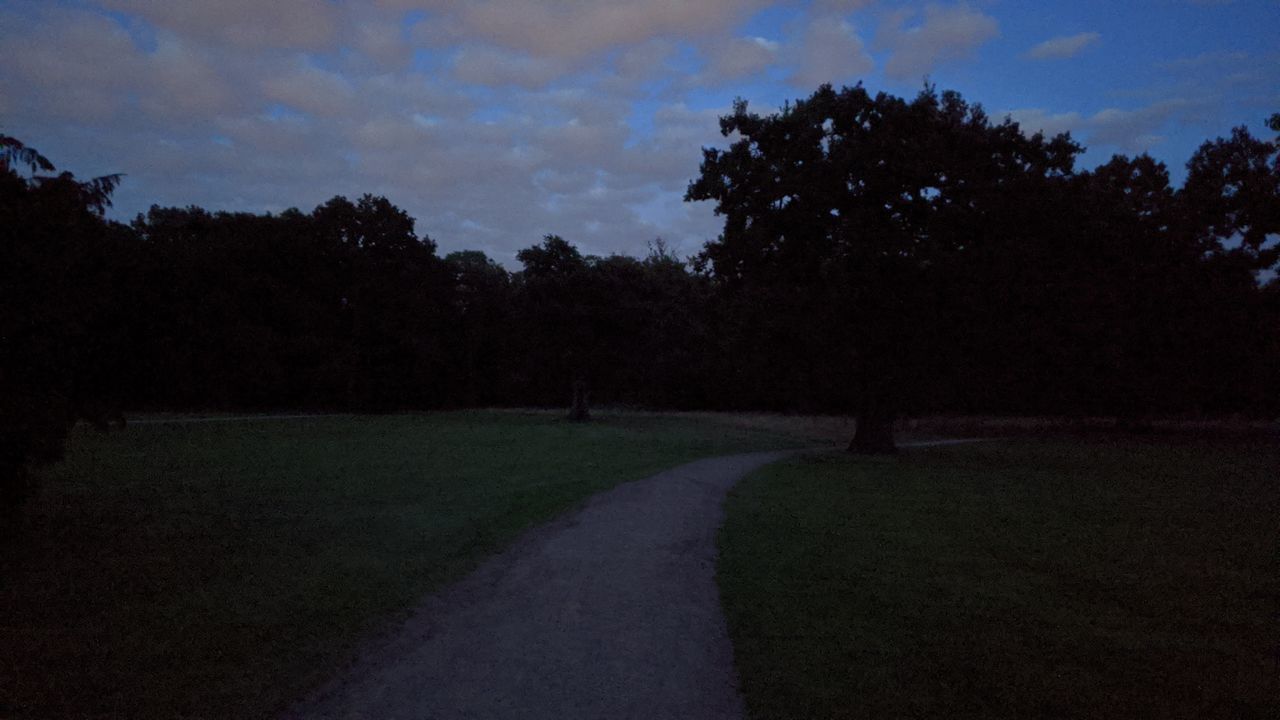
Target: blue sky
495	122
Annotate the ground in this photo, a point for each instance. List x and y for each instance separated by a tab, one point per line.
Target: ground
222	569
1085	577
227	568
608	612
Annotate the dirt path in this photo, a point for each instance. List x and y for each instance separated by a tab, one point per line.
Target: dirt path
611	612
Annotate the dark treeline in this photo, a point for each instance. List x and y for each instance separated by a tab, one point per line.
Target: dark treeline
880	256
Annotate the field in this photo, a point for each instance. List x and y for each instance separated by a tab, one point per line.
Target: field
219	569
1082	578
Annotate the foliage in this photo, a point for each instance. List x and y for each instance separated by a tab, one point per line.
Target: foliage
59	309
844	208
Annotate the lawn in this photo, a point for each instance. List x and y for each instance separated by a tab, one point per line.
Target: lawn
220	569
1015	579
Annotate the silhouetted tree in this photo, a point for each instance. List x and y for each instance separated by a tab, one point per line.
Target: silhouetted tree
395	307
57	326
482	347
1232	198
840	209
559	307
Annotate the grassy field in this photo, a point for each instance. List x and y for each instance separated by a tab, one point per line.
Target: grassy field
219	569
1018	579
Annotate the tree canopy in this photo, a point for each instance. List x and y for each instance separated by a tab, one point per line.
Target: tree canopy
852	204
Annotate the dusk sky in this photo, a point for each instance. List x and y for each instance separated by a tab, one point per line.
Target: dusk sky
494	123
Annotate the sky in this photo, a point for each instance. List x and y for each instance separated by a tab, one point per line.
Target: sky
494	123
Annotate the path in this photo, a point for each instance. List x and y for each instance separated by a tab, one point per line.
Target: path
612	612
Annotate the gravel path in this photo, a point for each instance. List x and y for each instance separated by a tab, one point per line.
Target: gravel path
610	612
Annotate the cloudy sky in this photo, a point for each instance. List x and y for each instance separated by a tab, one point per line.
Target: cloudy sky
494	122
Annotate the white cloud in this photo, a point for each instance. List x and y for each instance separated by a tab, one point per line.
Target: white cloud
1131	131
68	66
738	57
1063	47
186	82
835	7
1134	130
484	65
944	33
1034	120
491	122
383	42
573	30
309	90
285	24
827	50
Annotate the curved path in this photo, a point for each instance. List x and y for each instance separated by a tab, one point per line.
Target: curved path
610	612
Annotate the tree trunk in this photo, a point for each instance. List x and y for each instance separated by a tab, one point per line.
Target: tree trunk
874	433
580	411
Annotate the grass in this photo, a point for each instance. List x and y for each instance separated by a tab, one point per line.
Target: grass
1022	579
221	569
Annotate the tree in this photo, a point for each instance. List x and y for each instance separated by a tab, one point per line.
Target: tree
1231	199
559	304
842	210
481	341
394	304
57	329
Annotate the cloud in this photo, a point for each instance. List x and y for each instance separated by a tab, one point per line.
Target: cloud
1131	131
80	64
645	61
479	137
283	24
484	65
572	30
491	122
826	50
85	68
310	90
945	33
739	57
1134	130
185	82
1038	120
382	42
1063	47
839	7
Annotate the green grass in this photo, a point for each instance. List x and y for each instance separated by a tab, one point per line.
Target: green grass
221	569
1020	579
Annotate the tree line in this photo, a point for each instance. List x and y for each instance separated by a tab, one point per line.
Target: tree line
880	256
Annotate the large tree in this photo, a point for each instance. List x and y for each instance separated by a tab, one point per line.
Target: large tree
844	209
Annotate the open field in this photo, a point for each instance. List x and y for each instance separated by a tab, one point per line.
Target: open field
1060	578
219	569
